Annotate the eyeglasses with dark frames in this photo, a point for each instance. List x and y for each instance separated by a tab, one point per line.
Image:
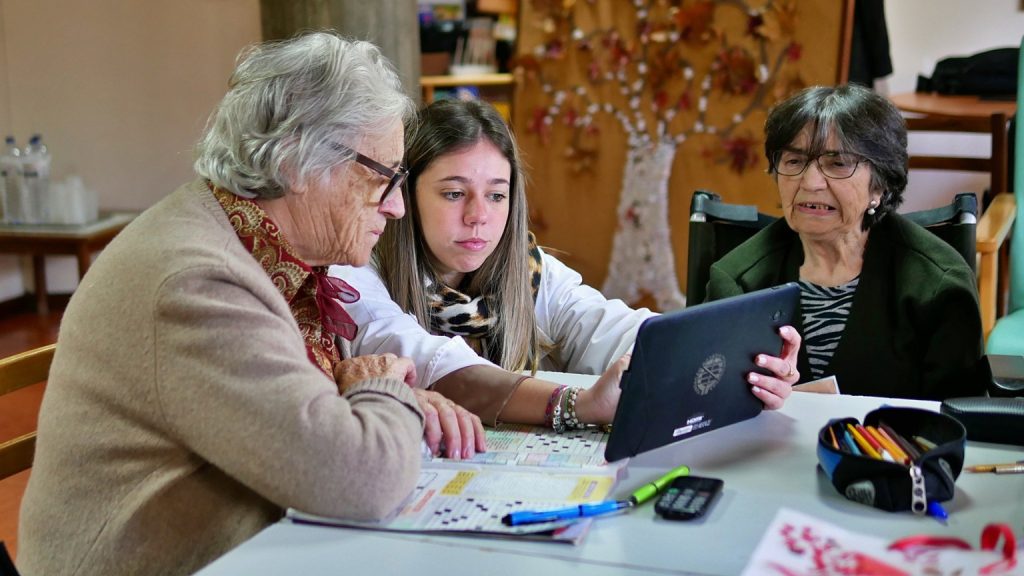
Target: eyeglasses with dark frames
395	177
834	165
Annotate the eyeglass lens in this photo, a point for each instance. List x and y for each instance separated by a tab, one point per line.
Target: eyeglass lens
836	165
395	177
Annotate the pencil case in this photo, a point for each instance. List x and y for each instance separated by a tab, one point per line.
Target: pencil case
999	420
935	458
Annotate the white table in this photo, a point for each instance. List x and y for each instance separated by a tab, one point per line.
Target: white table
767	463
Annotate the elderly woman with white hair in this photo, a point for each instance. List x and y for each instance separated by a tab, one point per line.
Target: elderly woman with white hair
199	387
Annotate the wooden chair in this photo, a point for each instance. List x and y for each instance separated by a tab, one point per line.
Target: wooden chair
17	372
994	228
995	164
993	253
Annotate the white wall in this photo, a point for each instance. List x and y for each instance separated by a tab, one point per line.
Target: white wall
120	90
921	32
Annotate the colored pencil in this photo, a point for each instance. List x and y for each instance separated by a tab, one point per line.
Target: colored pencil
865	446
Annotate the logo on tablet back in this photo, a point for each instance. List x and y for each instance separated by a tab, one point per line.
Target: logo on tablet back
709	374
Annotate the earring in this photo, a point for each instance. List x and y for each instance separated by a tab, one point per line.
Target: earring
871	208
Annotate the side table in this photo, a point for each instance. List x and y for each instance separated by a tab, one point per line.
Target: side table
41	240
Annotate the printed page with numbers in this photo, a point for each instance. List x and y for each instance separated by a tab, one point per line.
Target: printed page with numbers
524	468
523	445
473	498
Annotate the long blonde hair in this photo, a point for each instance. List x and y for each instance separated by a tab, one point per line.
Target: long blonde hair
403	259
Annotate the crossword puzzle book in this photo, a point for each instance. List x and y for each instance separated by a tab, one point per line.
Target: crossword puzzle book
525	468
524	445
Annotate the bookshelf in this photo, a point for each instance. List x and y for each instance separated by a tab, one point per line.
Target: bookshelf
466	46
495	88
430	83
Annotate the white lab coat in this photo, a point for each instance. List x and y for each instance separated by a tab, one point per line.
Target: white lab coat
588	331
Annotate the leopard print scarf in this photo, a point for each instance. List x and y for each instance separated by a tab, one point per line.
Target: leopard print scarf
453	313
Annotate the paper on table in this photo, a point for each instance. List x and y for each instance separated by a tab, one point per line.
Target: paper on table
524	468
826	385
471	499
796	543
523	445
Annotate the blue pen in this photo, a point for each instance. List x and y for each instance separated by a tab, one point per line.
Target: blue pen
936	511
581	511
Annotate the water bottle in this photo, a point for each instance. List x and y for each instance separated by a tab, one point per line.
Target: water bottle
12	177
36	165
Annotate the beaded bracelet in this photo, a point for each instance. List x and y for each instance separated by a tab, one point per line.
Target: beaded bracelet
564	414
572	422
557	424
549	410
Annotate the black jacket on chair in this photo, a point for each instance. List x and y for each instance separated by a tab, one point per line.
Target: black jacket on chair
914	329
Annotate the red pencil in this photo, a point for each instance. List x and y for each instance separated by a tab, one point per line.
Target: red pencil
870	438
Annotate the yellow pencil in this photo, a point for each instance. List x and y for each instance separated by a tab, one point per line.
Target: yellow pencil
1008	468
865	446
889	444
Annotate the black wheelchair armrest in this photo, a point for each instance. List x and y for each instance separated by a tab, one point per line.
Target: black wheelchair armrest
1007	375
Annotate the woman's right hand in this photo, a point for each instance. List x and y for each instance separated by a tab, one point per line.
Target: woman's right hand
447	423
597	404
352	370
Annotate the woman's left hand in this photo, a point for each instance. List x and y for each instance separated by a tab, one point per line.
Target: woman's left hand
358	368
773	390
596	405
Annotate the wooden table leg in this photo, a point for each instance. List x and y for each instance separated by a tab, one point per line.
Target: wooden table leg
39	276
84	256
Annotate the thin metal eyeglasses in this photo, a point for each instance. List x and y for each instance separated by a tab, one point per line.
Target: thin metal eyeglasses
395	177
834	165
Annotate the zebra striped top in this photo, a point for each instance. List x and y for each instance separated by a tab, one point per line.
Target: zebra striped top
825	311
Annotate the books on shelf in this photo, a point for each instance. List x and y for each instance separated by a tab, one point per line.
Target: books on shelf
525	468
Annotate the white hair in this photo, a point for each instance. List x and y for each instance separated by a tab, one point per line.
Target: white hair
288	106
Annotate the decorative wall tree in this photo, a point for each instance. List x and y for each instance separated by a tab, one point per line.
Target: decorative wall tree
671	73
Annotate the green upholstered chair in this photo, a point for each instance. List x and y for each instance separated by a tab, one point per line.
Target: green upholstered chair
1007	337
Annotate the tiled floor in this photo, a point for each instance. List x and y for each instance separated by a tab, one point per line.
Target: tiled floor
18	410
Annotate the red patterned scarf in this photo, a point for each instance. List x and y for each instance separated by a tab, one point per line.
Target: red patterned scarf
311	294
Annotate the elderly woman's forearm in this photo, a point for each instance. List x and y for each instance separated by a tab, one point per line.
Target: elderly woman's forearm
358	457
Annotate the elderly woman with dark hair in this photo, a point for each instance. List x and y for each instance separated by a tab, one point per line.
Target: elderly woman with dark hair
887	307
198	389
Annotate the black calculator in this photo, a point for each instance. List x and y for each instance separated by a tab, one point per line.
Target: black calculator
687	497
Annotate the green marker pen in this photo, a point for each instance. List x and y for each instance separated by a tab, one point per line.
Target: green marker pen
645	492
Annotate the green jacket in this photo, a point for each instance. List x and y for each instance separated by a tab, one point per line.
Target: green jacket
914	329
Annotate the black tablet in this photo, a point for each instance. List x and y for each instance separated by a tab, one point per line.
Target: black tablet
688	372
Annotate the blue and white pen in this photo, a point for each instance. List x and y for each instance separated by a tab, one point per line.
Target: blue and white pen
580	511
